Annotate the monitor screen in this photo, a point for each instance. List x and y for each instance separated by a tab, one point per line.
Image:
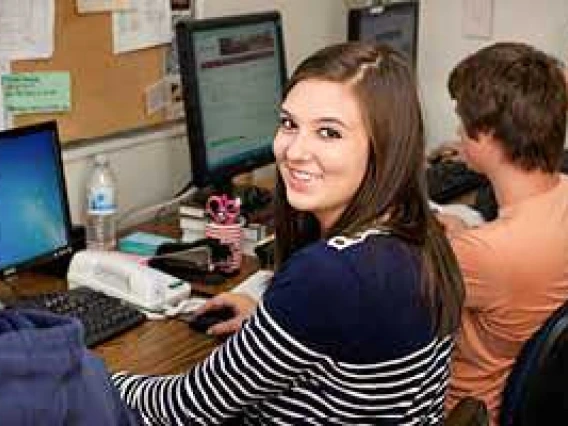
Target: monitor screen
233	72
395	24
34	220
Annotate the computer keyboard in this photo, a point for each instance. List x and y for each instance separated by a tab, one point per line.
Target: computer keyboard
447	180
102	316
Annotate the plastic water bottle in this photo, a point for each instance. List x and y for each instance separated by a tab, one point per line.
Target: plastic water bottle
101	206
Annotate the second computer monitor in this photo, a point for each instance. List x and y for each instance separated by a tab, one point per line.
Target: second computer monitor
233	72
395	24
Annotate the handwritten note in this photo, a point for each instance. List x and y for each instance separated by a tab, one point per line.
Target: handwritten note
36	92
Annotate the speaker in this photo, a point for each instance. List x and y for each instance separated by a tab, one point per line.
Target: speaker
58	267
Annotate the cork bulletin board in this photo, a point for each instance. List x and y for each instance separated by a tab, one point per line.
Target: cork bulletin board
107	90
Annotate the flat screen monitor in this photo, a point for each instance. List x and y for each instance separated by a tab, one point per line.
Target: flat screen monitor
233	72
394	24
34	217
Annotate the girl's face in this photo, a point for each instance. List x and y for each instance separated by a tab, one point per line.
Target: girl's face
321	148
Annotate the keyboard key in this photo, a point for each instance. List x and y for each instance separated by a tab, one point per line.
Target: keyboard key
448	180
102	316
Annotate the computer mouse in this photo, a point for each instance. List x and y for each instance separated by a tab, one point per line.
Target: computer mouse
202	322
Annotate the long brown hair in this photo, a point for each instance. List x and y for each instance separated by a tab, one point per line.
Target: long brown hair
392	193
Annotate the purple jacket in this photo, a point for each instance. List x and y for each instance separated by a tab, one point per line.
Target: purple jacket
48	377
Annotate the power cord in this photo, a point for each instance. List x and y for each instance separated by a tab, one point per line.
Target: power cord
189	191
202	257
186	187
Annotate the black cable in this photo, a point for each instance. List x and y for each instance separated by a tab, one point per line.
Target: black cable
184	189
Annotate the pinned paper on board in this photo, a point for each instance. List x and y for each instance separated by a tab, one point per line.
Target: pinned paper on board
147	25
477	18
36	92
26	29
94	6
156	96
165	95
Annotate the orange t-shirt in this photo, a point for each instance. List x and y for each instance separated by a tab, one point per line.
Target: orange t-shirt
516	274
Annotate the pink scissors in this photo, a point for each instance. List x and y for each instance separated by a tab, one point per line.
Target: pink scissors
222	209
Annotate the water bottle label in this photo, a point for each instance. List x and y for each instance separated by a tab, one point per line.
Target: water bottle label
101	200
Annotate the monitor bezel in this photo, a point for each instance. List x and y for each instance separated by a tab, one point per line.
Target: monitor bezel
355	17
202	174
8	271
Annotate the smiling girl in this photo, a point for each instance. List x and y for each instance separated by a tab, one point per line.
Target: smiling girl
357	326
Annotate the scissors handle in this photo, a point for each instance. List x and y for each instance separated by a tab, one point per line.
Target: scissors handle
222	209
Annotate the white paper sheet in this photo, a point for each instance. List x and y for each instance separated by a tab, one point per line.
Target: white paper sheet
26	29
91	6
477	18
166	95
149	24
157	96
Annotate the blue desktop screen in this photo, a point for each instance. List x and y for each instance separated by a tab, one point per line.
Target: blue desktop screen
33	209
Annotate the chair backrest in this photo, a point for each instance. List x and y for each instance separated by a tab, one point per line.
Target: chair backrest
536	391
468	412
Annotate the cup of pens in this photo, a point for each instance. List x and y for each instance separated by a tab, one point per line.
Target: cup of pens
225	225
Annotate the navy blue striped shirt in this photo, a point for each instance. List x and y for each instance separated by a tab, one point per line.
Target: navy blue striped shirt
341	336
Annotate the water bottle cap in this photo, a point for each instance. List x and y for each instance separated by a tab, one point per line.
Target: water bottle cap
101	159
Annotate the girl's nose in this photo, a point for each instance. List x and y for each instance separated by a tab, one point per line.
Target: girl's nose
299	148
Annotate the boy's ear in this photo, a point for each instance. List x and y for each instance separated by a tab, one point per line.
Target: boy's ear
489	144
484	136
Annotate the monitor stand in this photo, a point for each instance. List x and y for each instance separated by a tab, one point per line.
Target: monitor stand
58	267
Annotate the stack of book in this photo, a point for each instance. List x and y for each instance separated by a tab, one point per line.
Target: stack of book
192	221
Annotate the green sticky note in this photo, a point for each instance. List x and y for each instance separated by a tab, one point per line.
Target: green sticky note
36	92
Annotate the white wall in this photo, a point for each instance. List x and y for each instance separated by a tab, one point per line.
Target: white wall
152	167
307	24
543	24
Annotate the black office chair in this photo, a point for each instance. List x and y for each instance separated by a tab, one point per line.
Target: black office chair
536	392
468	412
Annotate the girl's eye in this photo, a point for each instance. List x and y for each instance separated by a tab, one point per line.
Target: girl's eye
286	123
329	133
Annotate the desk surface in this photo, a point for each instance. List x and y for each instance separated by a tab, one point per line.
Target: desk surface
154	347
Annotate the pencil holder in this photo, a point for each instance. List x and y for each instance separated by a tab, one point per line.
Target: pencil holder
231	235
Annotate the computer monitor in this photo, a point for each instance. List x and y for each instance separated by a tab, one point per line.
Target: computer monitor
35	223
233	72
395	24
